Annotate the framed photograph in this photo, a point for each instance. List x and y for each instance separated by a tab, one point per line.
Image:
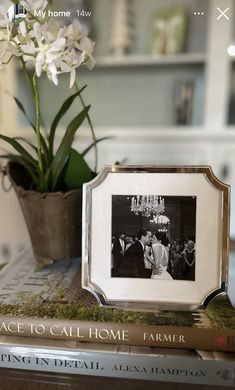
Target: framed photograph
170	30
155	237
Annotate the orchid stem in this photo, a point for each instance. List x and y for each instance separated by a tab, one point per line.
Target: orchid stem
27	76
37	126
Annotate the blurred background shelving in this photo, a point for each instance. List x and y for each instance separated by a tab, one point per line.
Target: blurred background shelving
147	60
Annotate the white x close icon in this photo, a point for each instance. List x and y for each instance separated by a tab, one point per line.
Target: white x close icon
223	13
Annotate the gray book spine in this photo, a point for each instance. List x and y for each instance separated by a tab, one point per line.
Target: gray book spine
120	365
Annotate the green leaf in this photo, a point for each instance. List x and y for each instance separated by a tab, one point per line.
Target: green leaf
77	171
46	158
62	154
93	144
27	142
22	109
43	142
19	148
63	109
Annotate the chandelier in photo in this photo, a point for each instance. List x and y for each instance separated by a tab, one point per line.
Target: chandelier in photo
147	205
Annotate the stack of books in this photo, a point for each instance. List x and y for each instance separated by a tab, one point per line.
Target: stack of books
49	323
117	361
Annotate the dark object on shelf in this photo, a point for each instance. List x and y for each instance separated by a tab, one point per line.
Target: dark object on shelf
184	102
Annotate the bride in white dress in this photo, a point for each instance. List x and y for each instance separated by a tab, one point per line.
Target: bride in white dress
160	259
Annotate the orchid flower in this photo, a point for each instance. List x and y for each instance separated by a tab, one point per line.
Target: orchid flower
73	34
68	64
45	52
87	47
7	50
49	49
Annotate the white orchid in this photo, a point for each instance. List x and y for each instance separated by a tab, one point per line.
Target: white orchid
73	34
7	50
44	51
23	29
87	47
77	39
56	55
68	64
46	46
46	57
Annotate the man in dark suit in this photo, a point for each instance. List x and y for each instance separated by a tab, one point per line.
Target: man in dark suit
136	255
118	251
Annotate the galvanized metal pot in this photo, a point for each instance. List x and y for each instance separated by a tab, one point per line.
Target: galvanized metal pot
53	219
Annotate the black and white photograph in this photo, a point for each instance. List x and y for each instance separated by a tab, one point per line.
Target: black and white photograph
153	237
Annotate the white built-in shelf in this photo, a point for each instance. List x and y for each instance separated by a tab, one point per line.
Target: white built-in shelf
227	133
145	60
154	134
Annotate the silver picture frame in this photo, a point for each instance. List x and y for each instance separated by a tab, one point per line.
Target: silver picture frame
208	198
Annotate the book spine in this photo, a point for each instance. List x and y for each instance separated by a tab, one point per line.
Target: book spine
147	367
129	334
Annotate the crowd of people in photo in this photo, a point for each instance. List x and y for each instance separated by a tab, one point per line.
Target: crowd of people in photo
153	255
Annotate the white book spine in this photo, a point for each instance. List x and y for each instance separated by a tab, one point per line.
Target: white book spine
120	365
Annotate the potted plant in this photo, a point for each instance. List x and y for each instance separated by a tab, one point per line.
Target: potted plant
48	180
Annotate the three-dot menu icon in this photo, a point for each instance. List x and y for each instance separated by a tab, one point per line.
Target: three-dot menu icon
199	13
